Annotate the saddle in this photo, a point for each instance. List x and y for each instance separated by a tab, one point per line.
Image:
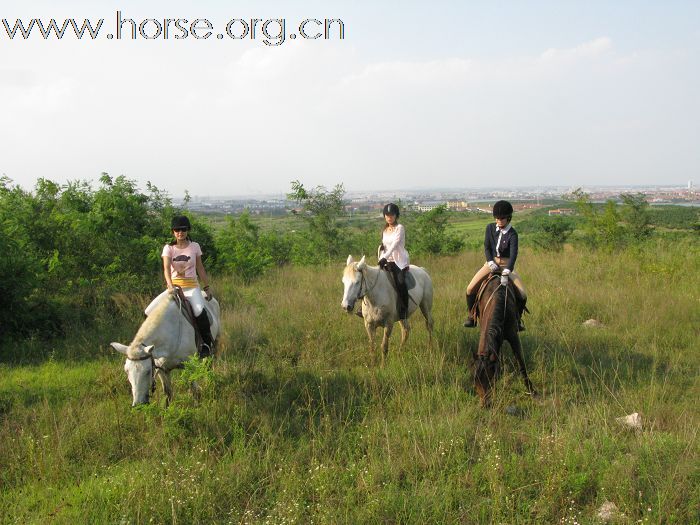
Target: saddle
482	288
410	280
410	283
188	313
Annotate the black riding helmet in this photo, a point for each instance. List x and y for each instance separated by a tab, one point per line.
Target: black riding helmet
180	221
503	209
391	209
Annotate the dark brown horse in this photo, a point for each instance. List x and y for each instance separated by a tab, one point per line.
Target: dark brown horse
498	318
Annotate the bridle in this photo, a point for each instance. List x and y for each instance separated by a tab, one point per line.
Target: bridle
154	368
364	282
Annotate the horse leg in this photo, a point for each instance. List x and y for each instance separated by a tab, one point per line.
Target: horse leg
428	315
405	330
167	386
370	333
385	340
515	344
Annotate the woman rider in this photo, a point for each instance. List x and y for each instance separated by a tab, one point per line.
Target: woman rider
393	256
501	251
182	263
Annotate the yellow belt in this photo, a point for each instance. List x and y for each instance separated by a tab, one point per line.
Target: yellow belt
185	283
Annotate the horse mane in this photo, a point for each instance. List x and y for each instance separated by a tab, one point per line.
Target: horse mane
495	323
500	311
153	320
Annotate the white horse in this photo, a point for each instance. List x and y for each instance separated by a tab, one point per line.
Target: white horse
379	299
163	342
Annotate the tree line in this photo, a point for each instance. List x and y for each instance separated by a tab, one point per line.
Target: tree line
72	250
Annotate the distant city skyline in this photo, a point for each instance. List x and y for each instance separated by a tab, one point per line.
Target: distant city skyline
451	94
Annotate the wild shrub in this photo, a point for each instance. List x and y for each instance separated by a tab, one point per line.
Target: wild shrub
547	233
429	233
321	210
73	247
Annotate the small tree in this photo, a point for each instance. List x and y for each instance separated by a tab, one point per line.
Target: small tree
430	235
321	209
239	249
549	233
635	212
601	229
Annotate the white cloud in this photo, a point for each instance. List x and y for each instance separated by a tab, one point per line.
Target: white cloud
254	118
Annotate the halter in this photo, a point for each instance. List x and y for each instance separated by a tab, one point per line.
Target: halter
154	367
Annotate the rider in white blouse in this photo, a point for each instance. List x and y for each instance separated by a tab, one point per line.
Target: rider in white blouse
393	256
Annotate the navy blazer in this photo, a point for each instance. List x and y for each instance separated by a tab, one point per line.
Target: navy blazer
508	247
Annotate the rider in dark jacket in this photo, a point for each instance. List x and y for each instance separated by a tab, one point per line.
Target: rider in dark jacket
501	251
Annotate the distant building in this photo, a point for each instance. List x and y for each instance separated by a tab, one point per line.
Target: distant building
561	211
457	205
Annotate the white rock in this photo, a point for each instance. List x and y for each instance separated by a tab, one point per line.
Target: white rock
608	511
593	323
633	421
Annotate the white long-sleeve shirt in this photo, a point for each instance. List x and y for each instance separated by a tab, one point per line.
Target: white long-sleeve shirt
394	246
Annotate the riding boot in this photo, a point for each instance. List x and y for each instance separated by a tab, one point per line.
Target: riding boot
403	294
521	309
205	331
470	322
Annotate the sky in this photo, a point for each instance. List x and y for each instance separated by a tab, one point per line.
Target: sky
417	95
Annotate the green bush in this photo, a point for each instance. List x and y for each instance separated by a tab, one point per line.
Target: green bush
71	248
429	233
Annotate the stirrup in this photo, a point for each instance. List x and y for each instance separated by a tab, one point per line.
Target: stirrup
205	351
469	323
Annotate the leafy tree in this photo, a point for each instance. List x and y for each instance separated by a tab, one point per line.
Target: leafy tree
72	248
244	251
429	233
602	229
321	210
635	212
548	233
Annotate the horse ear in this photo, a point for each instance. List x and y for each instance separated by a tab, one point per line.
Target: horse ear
362	263
349	261
122	349
148	349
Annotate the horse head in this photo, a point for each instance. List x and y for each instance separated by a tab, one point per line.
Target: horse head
140	370
352	282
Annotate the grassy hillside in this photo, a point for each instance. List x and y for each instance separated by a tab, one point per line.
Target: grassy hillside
297	425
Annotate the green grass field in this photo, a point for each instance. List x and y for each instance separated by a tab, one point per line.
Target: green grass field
296	423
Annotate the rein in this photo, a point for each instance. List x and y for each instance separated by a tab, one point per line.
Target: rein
483	355
364	282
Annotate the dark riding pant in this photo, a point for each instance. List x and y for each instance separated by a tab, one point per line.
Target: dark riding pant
399	276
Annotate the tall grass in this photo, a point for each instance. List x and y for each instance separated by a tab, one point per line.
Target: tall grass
297	424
